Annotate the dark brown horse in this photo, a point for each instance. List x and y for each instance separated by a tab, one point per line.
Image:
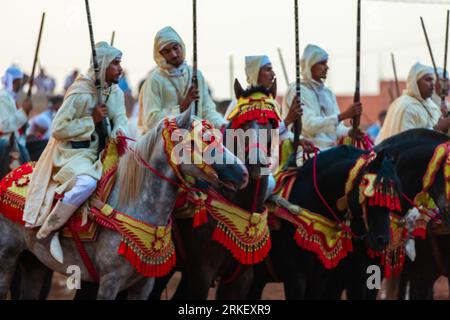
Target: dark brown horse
205	259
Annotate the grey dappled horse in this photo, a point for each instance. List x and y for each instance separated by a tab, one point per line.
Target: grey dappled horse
153	204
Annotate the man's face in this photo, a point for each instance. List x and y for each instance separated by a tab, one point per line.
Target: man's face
114	72
426	86
173	53
266	76
17	83
319	71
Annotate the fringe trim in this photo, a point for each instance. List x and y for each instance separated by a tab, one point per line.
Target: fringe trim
147	269
245	253
262	116
329	259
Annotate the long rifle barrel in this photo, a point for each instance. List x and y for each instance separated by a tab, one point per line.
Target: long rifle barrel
36	55
113	37
105	121
357	97
444	86
397	86
429	48
195	66
298	123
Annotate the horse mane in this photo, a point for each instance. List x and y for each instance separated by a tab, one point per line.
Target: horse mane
331	156
255	89
411	138
131	173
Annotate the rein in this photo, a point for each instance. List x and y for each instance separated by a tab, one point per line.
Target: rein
435	216
316	187
183	185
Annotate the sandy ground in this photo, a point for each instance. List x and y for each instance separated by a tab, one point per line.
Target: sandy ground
273	291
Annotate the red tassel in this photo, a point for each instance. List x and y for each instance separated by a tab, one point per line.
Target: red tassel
200	217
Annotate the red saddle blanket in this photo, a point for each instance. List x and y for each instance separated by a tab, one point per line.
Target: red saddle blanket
14	187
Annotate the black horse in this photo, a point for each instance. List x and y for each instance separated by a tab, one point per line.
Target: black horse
416	148
413	150
301	271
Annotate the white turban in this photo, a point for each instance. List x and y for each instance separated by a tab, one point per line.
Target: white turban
105	55
417	72
311	55
163	38
253	65
11	74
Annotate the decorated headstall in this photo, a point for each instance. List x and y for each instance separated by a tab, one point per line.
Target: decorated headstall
197	141
371	192
382	194
258	106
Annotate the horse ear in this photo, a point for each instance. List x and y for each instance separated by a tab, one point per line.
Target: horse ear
273	90
238	90
184	121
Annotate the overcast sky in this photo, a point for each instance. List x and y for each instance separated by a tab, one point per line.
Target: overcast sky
226	28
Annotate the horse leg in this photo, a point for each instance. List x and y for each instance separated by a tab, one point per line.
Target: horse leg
182	291
160	285
16	283
109	287
317	283
11	246
260	279
295	285
420	288
35	277
7	269
88	291
141	290
238	289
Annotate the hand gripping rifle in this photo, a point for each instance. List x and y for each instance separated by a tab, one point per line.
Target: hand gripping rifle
105	126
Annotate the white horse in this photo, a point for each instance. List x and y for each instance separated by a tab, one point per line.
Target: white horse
140	194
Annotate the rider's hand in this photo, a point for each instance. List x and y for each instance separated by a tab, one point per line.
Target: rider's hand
192	95
443	124
100	112
307	146
351	112
294	113
359	134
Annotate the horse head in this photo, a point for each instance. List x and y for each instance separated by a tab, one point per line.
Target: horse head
249	133
205	156
423	165
375	199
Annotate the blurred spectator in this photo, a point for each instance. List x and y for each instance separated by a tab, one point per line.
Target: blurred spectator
44	83
123	84
40	125
133	115
374	129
